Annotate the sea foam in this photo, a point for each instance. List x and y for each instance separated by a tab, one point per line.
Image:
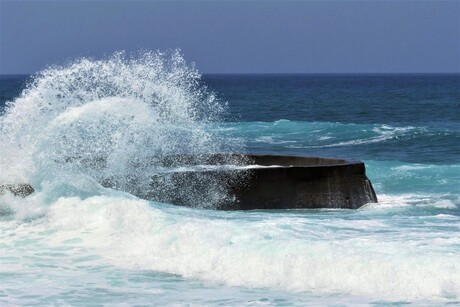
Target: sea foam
279	252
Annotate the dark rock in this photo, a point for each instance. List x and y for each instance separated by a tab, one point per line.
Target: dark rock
19	189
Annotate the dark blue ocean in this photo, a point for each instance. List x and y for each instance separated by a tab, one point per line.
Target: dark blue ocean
73	242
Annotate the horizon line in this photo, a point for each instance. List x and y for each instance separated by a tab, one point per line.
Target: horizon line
291	73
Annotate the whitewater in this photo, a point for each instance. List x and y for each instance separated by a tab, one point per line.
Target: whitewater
76	242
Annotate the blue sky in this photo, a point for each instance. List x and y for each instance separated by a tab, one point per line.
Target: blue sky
238	36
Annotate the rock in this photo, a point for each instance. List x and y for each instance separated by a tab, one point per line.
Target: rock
19	189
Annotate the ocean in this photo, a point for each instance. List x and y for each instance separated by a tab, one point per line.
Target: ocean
74	242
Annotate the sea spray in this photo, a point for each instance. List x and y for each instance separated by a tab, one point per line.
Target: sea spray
111	121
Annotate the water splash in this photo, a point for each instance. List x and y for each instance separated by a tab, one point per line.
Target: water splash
111	120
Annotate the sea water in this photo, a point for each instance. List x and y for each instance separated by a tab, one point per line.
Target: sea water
74	242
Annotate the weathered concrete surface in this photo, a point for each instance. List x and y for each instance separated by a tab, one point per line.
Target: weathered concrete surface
295	182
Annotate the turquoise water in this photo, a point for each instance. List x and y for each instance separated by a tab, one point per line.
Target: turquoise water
74	242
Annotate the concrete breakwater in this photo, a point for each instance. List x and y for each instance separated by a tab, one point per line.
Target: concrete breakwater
272	182
267	182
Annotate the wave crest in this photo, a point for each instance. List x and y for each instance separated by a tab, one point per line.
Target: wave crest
110	118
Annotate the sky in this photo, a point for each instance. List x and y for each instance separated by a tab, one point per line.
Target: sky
238	36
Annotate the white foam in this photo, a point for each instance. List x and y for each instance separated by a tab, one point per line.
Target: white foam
413	167
407	200
203	168
134	235
379	134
